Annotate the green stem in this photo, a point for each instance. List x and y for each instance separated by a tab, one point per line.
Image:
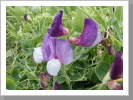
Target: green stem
66	77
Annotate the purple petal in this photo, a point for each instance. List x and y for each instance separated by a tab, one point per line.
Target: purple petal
64	51
56	86
90	35
113	85
57	29
26	17
47	75
117	66
48	47
110	50
42	84
41	76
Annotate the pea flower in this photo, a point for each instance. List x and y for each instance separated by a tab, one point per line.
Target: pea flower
117	66
37	55
56	52
57	28
113	85
90	35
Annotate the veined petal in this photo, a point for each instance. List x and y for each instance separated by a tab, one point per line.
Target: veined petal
117	66
48	47
89	34
53	67
56	86
57	28
37	55
64	51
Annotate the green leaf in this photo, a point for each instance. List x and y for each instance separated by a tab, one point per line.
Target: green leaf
78	21
9	53
36	10
94	78
101	70
102	87
78	52
119	14
116	27
10	84
20	11
15	73
60	79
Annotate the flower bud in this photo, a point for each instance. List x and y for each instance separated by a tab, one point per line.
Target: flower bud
110	50
116	69
27	18
113	85
56	86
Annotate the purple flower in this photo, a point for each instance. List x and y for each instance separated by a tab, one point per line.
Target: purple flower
56	52
56	86
57	28
44	79
90	35
113	85
110	50
117	66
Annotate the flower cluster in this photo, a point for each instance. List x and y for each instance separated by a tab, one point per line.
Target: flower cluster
57	51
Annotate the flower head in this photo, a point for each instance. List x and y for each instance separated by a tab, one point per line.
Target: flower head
56	52
90	35
57	28
117	66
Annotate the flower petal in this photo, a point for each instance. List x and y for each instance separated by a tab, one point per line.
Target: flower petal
117	66
89	34
113	85
26	17
57	28
64	51
37	55
98	39
48	47
56	86
53	67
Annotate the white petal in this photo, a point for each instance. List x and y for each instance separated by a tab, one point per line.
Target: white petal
98	39
53	67
37	55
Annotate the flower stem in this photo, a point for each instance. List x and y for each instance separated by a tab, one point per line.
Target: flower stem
66	77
